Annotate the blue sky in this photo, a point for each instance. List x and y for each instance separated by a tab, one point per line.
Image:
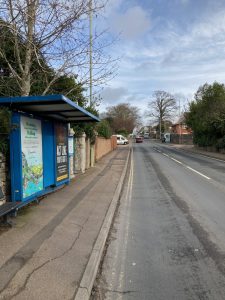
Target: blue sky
170	45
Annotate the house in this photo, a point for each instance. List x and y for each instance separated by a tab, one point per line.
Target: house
180	128
181	134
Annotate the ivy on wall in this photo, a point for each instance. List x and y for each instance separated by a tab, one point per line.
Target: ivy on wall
5	115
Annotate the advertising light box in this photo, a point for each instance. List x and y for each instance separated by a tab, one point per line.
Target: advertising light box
32	159
62	170
39	156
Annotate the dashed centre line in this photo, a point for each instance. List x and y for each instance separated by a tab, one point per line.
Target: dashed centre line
184	165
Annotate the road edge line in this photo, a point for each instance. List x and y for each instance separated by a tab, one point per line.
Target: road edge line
90	272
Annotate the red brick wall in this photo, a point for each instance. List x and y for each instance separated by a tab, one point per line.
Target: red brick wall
181	129
104	146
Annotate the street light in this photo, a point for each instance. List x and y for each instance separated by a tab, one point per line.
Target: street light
179	124
90	50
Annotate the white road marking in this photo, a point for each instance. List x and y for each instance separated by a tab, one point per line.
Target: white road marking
179	162
184	165
200	154
193	170
117	279
127	201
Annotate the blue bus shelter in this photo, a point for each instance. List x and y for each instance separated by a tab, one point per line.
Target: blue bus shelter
39	156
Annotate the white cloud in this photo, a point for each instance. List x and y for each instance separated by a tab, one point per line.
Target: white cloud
135	22
111	7
213	27
113	95
174	58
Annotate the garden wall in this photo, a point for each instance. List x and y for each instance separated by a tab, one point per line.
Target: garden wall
186	139
104	146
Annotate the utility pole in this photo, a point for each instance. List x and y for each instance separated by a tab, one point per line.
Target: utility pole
160	128
180	125
90	50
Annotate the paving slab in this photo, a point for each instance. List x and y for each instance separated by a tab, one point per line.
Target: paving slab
46	254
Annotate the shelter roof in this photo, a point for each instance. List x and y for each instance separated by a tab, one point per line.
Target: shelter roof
57	107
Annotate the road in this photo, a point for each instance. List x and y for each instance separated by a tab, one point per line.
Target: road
167	240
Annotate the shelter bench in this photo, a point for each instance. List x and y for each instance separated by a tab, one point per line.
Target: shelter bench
7	209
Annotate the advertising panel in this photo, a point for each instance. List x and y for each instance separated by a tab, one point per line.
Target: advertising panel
62	171
71	145
32	161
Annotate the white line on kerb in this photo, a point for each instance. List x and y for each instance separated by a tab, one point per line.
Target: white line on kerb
186	166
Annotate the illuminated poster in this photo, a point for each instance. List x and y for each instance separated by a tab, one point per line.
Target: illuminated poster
32	162
61	152
70	145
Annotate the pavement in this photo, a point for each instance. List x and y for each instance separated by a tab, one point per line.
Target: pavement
195	149
54	248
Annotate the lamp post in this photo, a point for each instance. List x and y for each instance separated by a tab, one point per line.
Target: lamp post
179	125
160	127
90	51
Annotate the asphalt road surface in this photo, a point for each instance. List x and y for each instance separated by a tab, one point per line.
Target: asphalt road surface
168	237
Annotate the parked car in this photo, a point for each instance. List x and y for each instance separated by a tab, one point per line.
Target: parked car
121	140
139	139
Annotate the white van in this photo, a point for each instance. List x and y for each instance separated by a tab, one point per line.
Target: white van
121	140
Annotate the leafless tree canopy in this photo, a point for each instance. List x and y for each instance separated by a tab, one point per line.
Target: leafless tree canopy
58	31
162	107
123	117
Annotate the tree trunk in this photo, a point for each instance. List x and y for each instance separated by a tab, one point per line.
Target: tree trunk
26	77
25	85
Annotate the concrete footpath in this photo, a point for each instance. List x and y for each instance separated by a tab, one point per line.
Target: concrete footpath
53	250
194	149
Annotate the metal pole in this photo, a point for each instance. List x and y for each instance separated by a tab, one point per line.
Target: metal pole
160	128
90	56
179	124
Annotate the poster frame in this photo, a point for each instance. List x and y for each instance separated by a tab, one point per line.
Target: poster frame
70	145
32	148
16	161
66	180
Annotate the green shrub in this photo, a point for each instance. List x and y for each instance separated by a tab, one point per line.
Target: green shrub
4	144
220	143
122	132
103	128
4	130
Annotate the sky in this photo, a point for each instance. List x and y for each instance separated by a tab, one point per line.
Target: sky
170	45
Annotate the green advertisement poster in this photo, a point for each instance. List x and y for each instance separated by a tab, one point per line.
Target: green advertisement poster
32	161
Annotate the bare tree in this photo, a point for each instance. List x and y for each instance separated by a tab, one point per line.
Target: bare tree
123	117
162	107
55	32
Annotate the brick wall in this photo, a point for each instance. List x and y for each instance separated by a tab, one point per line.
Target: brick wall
113	142
104	146
88	154
186	139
